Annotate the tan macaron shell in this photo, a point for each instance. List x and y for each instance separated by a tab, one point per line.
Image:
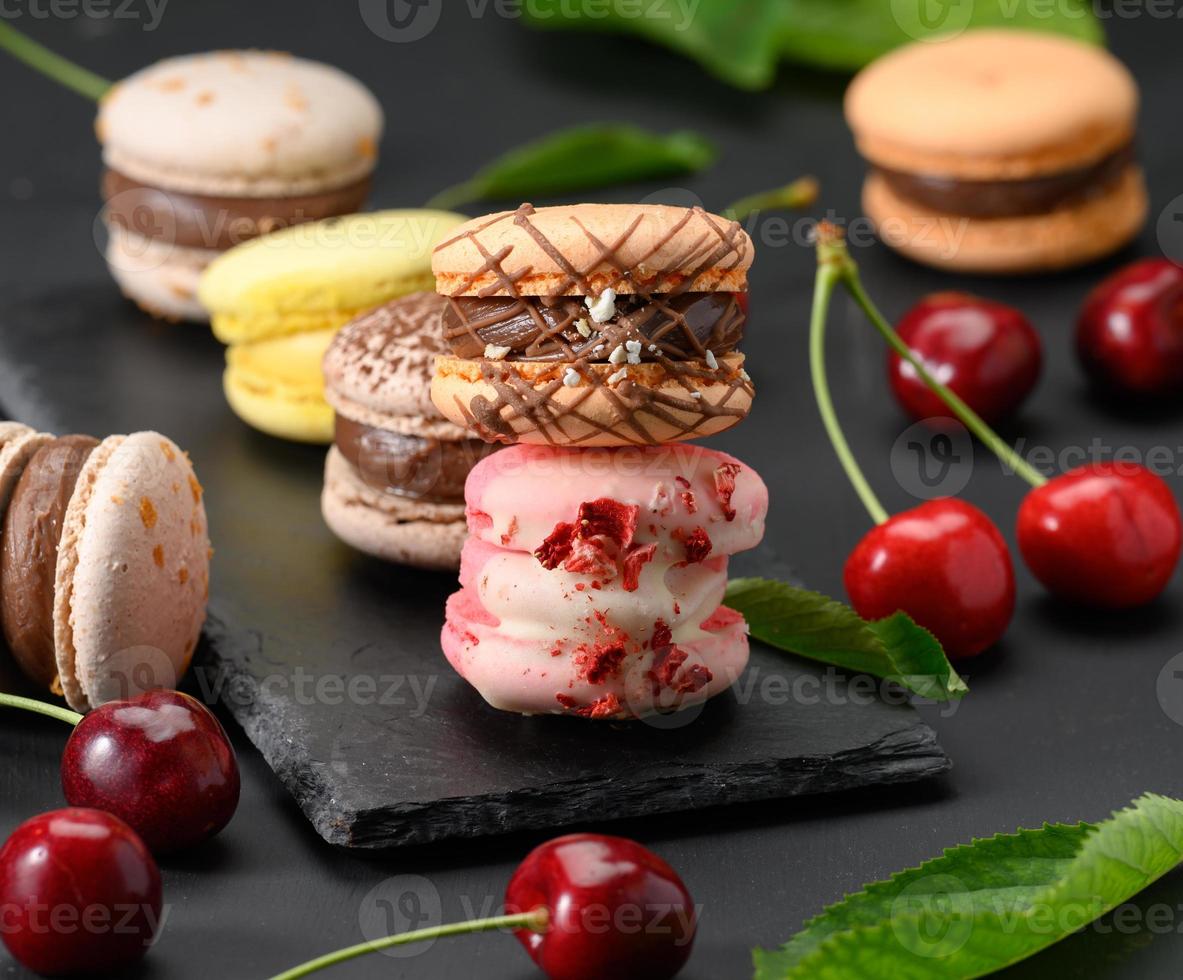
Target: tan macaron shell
133	571
1059	239
593	415
240	123
992	104
581	249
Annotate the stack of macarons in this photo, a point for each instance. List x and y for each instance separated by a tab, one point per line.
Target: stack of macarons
1000	151
601	336
104	561
279	300
205	151
394	477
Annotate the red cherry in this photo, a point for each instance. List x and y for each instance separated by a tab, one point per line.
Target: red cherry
1129	336
79	893
986	352
160	761
1106	534
616	910
946	565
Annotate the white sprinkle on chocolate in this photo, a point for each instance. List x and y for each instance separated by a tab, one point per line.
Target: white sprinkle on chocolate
711	362
632	351
582	326
571	378
495	353
744	374
618	377
618	356
696	394
653	348
603	307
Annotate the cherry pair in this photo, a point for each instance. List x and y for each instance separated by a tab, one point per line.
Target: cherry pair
80	888
1106	534
1129	338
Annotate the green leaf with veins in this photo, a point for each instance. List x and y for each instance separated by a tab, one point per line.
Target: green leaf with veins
741	41
815	626
986	905
580	158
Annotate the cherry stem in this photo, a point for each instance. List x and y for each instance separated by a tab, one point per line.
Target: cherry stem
801	193
535	920
828	276
75	77
847	273
40	707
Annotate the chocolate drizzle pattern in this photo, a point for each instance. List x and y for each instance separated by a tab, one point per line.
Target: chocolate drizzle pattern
703	393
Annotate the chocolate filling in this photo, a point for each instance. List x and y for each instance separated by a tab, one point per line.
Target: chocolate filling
28	552
432	470
1009	198
535	328
198	221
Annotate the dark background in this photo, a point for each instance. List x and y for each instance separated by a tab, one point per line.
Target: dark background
1065	721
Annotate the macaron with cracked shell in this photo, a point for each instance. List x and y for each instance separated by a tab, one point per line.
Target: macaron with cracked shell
205	151
999	151
104	566
279	300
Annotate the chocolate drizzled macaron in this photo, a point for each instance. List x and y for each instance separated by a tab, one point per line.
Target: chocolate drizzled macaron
594	325
394	478
205	151
104	566
999	151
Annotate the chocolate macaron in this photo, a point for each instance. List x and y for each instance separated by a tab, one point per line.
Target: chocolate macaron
594	325
206	151
999	151
104	566
394	477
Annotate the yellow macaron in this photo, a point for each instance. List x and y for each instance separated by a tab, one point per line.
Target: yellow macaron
278	301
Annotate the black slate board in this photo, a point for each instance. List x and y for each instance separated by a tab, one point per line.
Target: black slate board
331	661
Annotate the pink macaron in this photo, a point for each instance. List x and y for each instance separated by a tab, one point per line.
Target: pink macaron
592	580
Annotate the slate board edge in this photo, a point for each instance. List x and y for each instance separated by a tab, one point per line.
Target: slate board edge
906	755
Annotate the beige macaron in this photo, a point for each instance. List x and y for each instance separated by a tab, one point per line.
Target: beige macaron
999	151
132	577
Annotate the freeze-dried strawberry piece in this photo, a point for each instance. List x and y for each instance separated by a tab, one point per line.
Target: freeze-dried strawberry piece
689	501
662	635
602	707
725	476
557	546
566	701
697	544
608	517
631	566
666	662
591	558
694	678
597	663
